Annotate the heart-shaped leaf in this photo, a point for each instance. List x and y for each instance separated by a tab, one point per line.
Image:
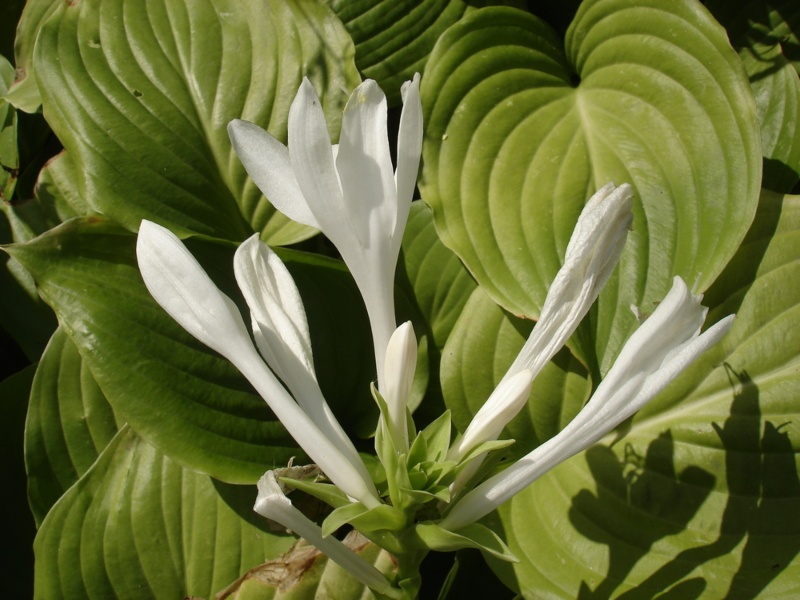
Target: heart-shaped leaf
698	496
141	100
137	525
522	127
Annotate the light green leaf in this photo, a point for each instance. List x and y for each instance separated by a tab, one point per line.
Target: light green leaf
522	127
137	525
472	536
698	495
366	520
432	442
393	38
141	100
69	423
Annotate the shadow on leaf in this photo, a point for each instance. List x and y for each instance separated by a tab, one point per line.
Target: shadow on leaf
762	514
638	487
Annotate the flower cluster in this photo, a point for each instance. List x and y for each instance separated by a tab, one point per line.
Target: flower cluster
434	490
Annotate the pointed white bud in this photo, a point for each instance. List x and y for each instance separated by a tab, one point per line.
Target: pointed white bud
399	368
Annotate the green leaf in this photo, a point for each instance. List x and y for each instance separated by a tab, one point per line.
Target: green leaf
137	525
365	520
327	492
432	443
141	100
69	424
24	95
393	38
472	536
56	199
440	282
763	33
522	127
697	494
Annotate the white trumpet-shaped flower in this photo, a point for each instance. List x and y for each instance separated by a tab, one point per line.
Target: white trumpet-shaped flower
592	253
658	351
274	505
350	192
181	286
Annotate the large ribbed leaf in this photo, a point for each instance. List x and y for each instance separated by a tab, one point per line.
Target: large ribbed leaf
138	526
69	424
700	497
522	126
140	96
179	395
393	38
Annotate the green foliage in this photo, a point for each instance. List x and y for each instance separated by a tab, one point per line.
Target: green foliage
137	437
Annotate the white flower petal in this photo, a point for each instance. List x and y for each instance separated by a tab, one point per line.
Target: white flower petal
655	354
365	167
180	285
311	158
280	330
266	160
274	505
409	149
274	302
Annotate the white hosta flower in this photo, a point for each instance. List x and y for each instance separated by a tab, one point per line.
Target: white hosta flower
184	290
274	505
592	253
280	330
658	351
352	193
401	362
